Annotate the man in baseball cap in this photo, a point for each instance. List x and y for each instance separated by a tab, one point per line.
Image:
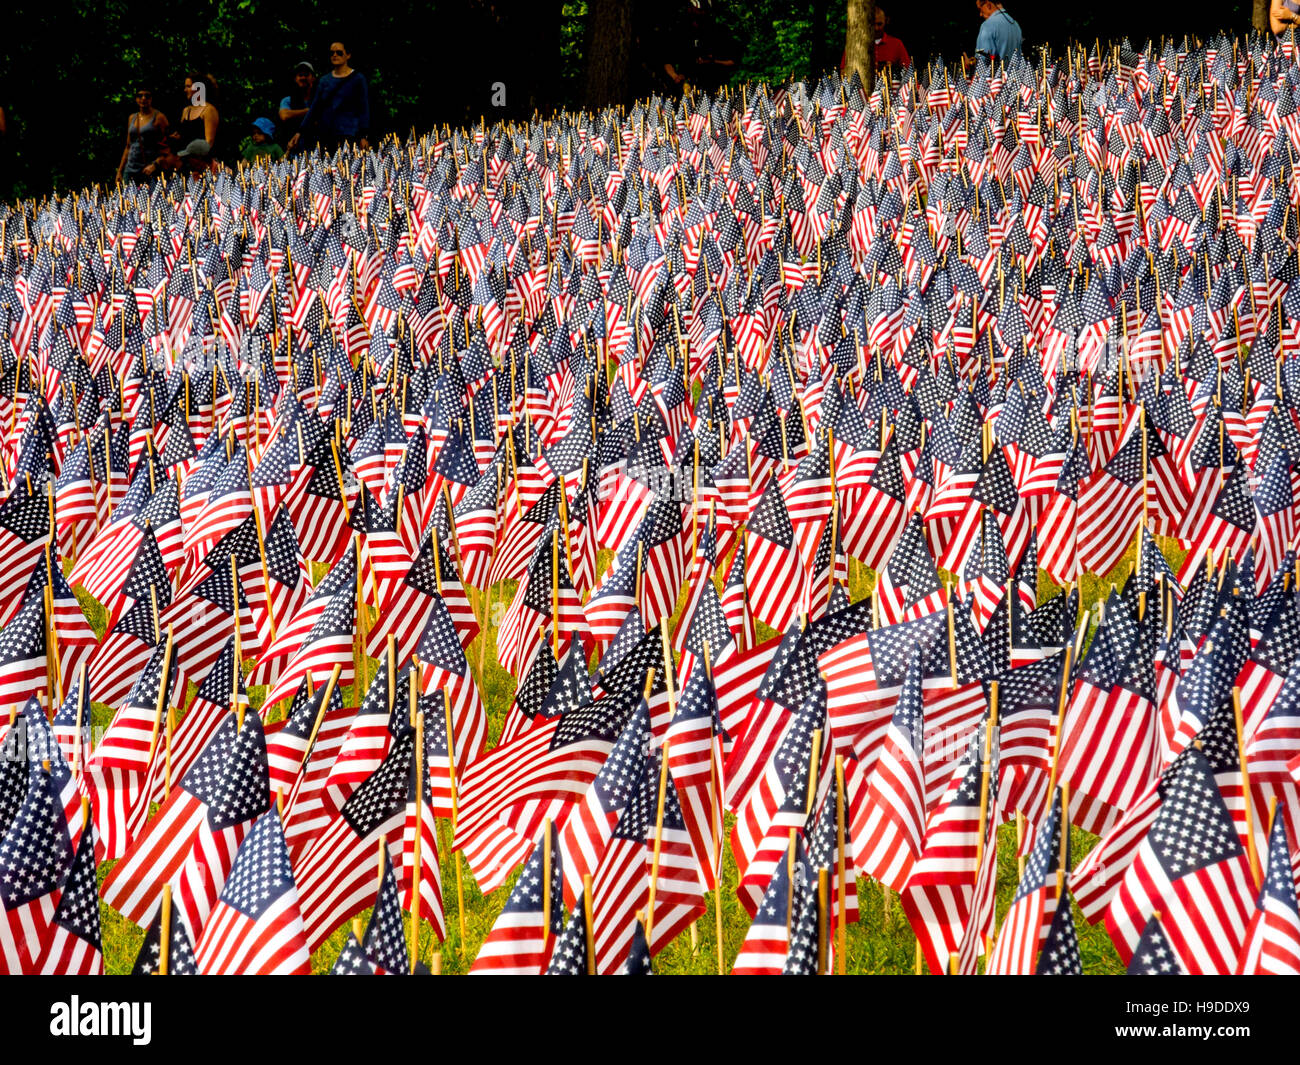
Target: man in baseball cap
194	156
294	106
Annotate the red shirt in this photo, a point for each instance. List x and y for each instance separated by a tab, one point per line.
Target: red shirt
888	50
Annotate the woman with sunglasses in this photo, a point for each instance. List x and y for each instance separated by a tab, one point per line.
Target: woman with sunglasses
340	108
145	130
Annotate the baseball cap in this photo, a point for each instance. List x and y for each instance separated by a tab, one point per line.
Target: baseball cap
198	148
265	125
304	65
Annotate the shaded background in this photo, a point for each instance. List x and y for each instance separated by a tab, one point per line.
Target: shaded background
69	70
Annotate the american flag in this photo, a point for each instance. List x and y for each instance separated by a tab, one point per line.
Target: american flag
1026	925
36	858
521	941
1201	883
75	946
1154	955
336	871
1272	944
384	940
506	795
1108	744
24	656
1060	954
909	584
695	739
235	794
180	950
780	800
329	643
24	531
775	576
444	667
939	894
889	806
766	947
256	927
120	771
573	948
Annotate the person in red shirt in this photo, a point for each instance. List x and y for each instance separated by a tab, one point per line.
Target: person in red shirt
889	50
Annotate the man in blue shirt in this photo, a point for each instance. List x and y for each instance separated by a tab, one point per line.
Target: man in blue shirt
999	37
339	109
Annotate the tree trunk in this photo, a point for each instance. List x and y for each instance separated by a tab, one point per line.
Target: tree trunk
609	53
859	43
1259	16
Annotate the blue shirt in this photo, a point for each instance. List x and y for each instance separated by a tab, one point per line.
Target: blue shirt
999	36
340	107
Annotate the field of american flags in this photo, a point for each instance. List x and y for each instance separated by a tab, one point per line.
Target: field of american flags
880	943
749	502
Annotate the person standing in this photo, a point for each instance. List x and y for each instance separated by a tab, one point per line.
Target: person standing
999	36
889	49
294	107
145	130
339	109
198	122
1283	15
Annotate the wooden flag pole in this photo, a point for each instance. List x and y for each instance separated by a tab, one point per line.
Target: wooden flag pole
659	839
841	872
555	592
1061	701
266	577
789	873
715	782
1061	869
417	856
359	643
1252	852
320	713
546	881
390	664
1020	842
586	917
984	775
165	931
455	814
814	764
162	694
823	910
167	750
78	755
236	670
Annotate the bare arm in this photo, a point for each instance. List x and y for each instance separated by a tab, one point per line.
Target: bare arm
121	166
1280	17
210	122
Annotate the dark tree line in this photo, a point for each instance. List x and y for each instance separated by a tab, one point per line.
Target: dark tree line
70	69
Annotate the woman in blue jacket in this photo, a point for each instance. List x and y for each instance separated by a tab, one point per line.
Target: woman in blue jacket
340	107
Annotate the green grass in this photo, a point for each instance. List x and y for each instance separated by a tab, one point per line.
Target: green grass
880	943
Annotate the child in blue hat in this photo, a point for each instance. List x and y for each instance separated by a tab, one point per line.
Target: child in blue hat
261	143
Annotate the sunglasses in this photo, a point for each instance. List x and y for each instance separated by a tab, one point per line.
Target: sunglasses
336	51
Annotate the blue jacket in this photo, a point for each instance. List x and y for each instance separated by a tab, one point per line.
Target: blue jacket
340	107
